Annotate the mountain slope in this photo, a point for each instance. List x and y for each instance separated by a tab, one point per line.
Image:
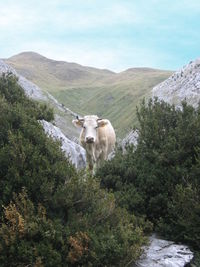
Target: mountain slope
39	68
89	90
183	84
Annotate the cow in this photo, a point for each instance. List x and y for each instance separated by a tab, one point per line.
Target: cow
97	137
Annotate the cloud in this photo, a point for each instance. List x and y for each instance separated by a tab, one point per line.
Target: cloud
52	15
80	18
15	16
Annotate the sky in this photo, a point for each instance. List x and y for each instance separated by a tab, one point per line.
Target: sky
114	34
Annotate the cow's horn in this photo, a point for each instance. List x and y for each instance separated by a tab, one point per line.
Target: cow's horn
77	117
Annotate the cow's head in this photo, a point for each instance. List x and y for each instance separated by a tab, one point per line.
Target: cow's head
90	125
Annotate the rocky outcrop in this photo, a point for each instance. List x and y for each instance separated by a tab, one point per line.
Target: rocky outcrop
72	150
163	253
130	139
183	84
31	90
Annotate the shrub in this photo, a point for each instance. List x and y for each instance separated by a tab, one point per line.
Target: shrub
159	180
183	216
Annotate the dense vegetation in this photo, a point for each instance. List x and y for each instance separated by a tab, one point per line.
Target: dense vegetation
50	214
160	178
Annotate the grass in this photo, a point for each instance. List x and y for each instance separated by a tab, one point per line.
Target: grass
116	102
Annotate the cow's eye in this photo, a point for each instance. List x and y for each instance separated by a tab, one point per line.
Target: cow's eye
84	127
96	127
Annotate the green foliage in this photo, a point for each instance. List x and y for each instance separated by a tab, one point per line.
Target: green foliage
28	237
196	260
160	178
52	215
92	235
183	215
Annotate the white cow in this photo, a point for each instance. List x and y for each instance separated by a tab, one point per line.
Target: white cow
97	137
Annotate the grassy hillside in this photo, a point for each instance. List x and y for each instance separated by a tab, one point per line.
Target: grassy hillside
87	90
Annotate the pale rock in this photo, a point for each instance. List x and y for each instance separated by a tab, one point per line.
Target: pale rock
183	84
75	152
130	139
163	253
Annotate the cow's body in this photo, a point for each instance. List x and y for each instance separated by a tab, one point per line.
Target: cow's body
98	138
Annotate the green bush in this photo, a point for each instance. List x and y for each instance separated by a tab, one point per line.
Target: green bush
159	179
183	215
94	233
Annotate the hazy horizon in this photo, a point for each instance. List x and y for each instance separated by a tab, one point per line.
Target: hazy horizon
133	67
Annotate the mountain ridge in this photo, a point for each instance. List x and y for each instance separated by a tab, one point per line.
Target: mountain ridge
35	55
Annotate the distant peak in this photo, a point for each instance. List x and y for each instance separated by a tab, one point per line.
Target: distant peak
28	55
141	69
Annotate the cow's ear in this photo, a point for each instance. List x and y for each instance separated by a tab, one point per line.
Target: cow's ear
102	123
77	123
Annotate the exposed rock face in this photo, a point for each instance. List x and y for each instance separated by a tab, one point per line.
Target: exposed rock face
183	84
163	253
74	151
130	139
30	88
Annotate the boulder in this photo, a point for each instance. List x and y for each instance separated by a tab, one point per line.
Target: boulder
163	253
75	152
130	139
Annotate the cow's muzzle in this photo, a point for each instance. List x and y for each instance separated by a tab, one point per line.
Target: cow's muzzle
89	140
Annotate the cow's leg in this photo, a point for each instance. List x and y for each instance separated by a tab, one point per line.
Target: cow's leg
90	164
94	169
102	158
95	160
